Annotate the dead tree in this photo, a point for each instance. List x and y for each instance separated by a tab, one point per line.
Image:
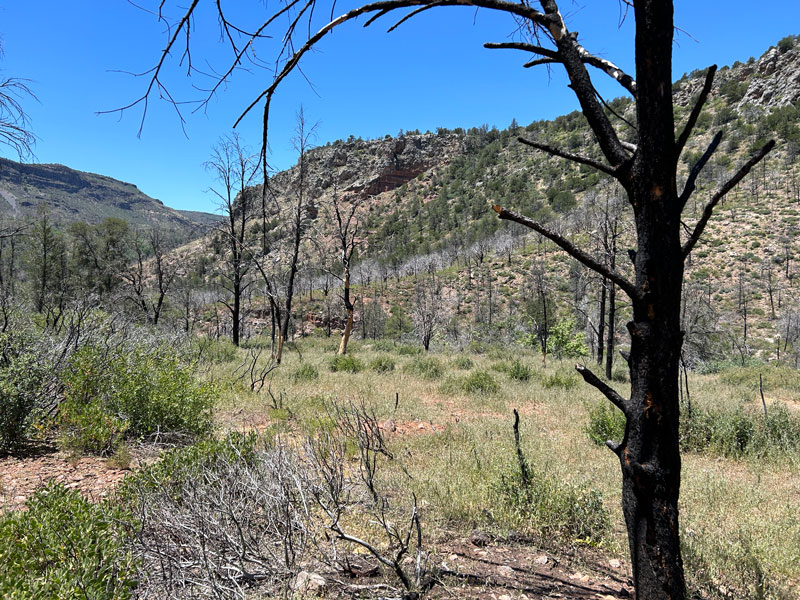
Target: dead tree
347	225
234	168
644	161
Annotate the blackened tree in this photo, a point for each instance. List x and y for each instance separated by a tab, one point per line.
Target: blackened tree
644	162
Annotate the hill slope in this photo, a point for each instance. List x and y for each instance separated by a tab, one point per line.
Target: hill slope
72	195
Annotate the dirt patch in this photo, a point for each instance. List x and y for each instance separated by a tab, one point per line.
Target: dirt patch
94	477
393	427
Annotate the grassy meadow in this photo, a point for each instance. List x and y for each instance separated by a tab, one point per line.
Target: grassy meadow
448	420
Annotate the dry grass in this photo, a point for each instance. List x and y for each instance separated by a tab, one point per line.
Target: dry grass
739	517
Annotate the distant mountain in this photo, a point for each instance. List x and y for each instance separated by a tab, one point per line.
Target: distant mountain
72	195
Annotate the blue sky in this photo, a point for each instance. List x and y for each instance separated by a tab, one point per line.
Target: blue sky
431	72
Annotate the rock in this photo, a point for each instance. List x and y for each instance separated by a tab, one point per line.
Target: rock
614	563
540	560
307	582
506	571
389	425
479	538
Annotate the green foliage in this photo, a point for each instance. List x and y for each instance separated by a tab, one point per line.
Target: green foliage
606	422
741	433
345	363
398	324
216	351
463	362
382	364
518	371
426	367
408	350
22	374
552	509
565	380
564	343
130	394
480	382
182	464
64	547
305	372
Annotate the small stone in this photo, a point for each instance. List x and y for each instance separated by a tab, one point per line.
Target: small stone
307	582
614	563
506	571
504	597
540	560
389	425
479	538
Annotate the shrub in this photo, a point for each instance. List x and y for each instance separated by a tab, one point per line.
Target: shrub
22	375
408	350
463	362
216	351
606	422
382	364
345	363
305	372
553	509
426	367
480	382
131	394
740	432
64	546
519	371
560	379
564	343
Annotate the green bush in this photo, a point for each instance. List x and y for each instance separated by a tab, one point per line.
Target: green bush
463	362
560	379
564	343
216	351
408	350
426	367
552	509
382	364
132	394
65	547
740	433
22	375
345	363
480	382
305	372
519	371
606	422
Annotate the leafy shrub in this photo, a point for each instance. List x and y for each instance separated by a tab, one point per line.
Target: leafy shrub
64	546
463	362
518	371
216	351
408	350
305	372
560	379
480	382
22	375
131	394
606	422
553	509
426	367
345	363
563	342
382	364
740	432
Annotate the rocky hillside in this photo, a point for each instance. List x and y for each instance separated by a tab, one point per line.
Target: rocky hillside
72	195
428	196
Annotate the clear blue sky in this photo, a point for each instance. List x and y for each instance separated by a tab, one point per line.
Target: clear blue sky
431	72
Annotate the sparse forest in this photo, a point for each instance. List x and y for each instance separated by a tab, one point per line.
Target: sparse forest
356	381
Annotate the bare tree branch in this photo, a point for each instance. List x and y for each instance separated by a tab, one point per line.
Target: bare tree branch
590	162
692	179
695	114
720	194
605	389
570	249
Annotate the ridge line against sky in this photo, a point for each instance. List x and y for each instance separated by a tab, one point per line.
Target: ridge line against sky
431	72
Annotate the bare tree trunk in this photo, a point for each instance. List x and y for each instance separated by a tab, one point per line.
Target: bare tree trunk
601	326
